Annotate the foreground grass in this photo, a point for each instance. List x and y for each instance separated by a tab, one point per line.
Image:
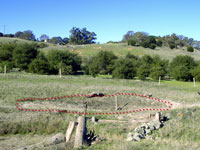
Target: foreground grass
181	132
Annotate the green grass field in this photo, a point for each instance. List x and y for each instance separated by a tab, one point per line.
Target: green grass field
179	132
19	129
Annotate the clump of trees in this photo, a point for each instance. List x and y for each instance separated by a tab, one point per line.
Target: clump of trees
81	36
124	68
141	39
172	41
28	58
102	63
77	37
181	66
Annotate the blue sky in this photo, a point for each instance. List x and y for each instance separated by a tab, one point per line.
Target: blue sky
109	19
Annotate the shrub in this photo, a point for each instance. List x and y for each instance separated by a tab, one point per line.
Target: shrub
59	59
172	46
143	71
24	54
39	65
42	45
6	52
190	49
102	63
152	46
159	43
9	66
144	68
158	68
132	42
181	66
145	44
124	69
196	72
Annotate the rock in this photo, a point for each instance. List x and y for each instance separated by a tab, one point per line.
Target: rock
136	137
157	124
144	126
148	131
141	131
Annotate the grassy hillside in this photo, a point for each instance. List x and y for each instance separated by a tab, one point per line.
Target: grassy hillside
120	49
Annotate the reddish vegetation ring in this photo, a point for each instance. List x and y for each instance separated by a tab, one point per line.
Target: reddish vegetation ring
92	113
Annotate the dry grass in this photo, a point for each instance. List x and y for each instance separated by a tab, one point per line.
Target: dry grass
14	86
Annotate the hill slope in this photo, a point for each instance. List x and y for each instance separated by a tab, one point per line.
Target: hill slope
120	49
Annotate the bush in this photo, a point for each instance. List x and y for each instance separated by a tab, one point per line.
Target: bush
190	49
42	45
196	73
131	56
132	42
144	68
102	63
159	43
70	63
143	71
9	66
145	44
6	52
158	68
124	69
39	65
24	54
152	46
181	66
172	46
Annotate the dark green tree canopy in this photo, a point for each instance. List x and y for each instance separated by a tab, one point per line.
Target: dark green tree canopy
24	54
124	69
70	63
39	65
181	66
27	35
44	37
6	51
81	36
102	63
18	34
56	40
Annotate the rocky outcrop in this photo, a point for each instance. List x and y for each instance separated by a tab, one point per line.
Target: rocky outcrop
144	131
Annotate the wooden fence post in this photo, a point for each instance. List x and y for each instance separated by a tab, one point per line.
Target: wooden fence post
5	69
116	103
194	81
60	73
80	136
159	80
